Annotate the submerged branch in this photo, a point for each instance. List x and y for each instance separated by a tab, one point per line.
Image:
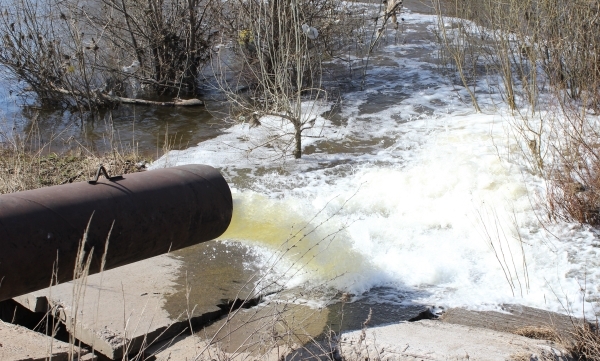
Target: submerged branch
175	103
105	99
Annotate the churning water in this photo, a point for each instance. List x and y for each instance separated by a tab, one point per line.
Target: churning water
406	189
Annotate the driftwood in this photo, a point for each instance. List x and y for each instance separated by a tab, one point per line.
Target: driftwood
117	99
175	103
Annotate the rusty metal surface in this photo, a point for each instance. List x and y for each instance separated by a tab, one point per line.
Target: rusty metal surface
153	212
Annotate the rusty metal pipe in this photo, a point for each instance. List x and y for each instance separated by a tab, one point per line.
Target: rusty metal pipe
153	212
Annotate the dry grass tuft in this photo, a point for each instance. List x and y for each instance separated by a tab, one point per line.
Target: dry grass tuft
539	333
583	341
586	342
572	201
23	169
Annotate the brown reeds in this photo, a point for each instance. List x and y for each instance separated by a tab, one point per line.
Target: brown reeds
529	48
25	164
21	170
586	342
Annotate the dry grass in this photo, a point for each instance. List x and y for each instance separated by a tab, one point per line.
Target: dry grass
539	333
574	194
586	342
23	168
521	356
582	341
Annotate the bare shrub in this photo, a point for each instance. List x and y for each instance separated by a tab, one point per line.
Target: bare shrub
528	43
573	172
569	42
526	46
278	50
586	342
169	39
43	49
71	53
461	45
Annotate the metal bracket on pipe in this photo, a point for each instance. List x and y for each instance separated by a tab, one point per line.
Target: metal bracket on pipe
102	170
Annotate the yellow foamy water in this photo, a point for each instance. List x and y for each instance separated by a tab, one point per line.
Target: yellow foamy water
304	241
258	219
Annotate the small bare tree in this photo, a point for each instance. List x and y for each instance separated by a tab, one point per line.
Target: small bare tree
459	44
278	61
278	49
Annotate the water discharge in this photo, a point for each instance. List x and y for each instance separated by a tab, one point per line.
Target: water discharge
419	196
427	225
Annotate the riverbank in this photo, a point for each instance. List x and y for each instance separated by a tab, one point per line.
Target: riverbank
26	166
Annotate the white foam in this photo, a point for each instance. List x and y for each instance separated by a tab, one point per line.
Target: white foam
435	205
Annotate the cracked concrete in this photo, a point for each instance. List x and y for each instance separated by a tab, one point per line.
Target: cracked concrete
126	309
436	340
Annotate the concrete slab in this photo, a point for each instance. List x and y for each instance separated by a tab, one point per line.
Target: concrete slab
196	348
21	344
115	311
263	334
35	301
281	322
510	318
435	340
269	331
124	310
267	327
265	331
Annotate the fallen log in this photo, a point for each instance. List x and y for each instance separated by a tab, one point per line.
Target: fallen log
175	103
109	98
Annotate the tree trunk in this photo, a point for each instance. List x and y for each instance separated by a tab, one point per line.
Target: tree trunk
192	69
298	141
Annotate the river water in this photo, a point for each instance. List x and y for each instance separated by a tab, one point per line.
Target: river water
405	190
149	130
